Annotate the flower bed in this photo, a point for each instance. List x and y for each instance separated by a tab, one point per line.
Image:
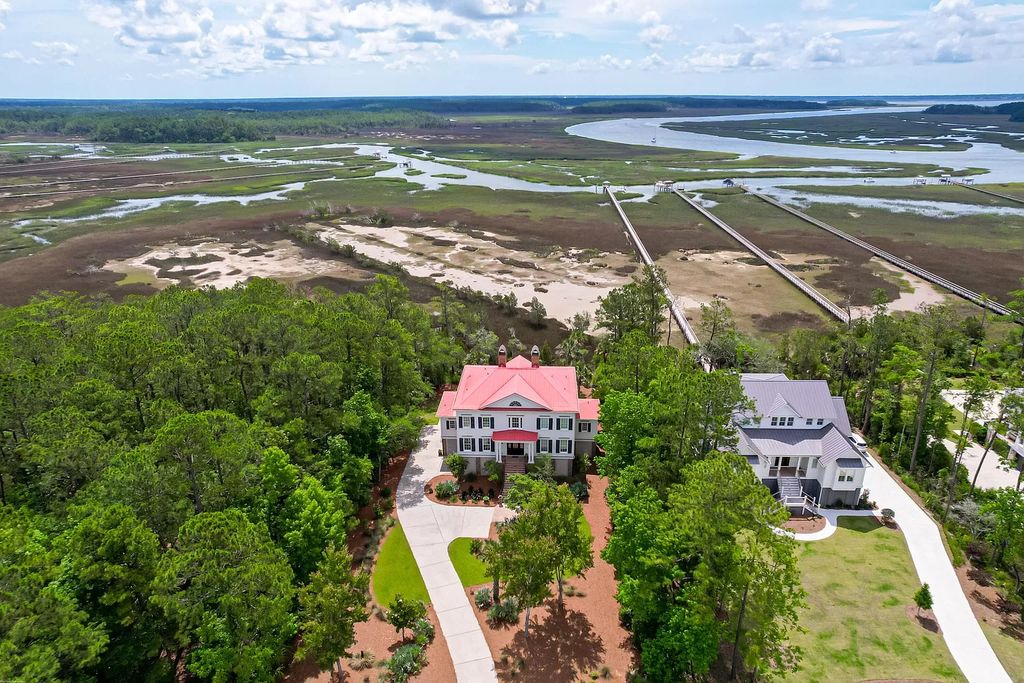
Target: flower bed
444	489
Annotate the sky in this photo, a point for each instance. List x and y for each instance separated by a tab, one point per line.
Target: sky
308	48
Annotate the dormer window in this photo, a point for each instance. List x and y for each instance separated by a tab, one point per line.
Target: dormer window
515	404
775	422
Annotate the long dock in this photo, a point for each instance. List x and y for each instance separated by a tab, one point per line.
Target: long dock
677	313
815	296
990	192
959	290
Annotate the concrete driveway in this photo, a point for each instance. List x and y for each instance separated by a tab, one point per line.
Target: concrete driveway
430	527
960	628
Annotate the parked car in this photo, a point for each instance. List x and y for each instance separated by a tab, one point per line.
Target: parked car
859	442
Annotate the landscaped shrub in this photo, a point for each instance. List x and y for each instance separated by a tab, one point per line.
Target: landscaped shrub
446	490
887	516
504	612
385	492
423	632
364	660
580	490
482	598
476	545
407	661
457	464
493	470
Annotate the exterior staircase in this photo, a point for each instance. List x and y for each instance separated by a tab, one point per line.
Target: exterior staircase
791	494
514	464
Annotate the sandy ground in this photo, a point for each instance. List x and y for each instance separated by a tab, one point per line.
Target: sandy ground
576	642
218	264
566	282
759	299
922	292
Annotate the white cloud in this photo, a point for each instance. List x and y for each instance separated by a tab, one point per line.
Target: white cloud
503	32
952	50
652	62
815	5
540	69
656	35
650	17
739	35
5	7
824	48
57	52
604	62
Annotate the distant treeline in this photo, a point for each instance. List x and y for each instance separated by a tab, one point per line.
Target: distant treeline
172	125
1015	110
856	102
664	104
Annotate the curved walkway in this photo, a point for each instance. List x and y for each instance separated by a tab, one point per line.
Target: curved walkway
831	524
960	628
429	528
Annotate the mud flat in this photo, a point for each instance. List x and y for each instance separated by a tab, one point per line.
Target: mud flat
565	281
213	263
759	299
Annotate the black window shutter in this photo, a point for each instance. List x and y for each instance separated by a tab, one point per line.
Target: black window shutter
570	423
474	445
492	446
570	445
538	423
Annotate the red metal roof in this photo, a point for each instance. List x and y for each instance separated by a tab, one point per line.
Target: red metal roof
514	435
551	387
447	405
589	408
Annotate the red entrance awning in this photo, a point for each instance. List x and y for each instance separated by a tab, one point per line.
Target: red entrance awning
514	435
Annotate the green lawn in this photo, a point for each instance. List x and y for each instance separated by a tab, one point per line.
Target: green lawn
470	569
468	566
1010	651
859	583
396	571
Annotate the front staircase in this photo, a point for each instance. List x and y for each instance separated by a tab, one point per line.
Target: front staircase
791	494
514	464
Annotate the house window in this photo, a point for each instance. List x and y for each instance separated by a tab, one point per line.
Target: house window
810	421
789	422
821	421
562	446
465	422
544	423
543	445
845	475
486	445
487	423
565	423
515	404
465	444
449	423
515	423
775	422
585	427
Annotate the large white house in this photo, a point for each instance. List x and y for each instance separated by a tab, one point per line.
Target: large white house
516	410
798	440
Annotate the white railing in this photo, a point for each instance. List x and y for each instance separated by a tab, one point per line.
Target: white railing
803	500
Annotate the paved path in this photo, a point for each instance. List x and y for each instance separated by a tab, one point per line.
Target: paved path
963	636
831	524
430	527
993	474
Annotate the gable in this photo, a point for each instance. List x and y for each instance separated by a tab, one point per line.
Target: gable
510	400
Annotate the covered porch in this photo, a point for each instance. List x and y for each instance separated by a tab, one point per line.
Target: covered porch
799	466
514	443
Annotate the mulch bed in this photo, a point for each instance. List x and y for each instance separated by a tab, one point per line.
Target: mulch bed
805	525
375	636
572	643
490	489
987	601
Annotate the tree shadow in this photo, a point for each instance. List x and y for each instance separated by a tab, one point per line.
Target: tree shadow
926	621
561	648
979	576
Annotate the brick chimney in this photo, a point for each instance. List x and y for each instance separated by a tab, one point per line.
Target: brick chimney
535	356
502	356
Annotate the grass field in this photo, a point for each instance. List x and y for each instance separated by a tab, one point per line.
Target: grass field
934	192
471	571
396	572
860	583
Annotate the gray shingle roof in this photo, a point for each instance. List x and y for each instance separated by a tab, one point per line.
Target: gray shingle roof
807	398
842	422
827	443
851	463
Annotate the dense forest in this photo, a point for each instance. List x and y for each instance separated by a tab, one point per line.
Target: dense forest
199	126
1015	110
224	121
177	469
